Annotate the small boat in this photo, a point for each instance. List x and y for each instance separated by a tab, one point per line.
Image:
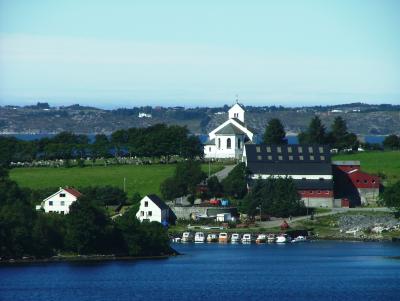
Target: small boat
300	238
187	237
223	237
199	237
261	238
271	237
246	238
212	237
235	238
283	238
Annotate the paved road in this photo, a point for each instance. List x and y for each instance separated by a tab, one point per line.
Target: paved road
278	222
222	174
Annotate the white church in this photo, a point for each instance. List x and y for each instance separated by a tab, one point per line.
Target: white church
227	140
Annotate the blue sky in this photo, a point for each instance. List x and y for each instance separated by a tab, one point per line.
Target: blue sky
196	53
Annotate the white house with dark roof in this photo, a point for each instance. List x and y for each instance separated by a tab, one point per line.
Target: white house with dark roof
153	209
228	139
60	201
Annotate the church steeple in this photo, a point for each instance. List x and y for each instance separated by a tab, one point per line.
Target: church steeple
237	111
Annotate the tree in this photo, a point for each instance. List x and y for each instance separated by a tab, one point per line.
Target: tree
274	133
392	142
339	137
276	197
214	186
391	196
315	134
235	184
105	195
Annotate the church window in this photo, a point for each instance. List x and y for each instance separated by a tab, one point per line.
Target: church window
219	143
209	149
228	143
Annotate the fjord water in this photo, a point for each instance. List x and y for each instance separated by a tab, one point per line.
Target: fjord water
304	271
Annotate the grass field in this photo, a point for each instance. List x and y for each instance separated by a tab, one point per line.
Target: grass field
144	179
377	162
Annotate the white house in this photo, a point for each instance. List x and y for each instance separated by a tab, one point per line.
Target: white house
153	209
228	139
60	201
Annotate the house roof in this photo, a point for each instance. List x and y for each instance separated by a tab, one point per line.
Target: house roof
156	200
73	191
288	159
230	129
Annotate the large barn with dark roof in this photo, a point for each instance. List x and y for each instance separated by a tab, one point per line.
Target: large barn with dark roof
308	165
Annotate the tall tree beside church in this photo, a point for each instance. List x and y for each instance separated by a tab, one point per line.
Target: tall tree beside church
315	133
274	133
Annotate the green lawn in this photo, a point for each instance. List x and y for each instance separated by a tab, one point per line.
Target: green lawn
144	179
377	162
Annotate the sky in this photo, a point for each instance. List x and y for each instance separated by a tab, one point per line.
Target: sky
199	53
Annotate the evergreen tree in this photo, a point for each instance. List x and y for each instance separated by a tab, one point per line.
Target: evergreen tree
315	133
235	184
391	142
274	133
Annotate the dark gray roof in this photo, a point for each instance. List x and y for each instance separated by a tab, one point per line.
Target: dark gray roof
156	200
230	129
288	159
244	125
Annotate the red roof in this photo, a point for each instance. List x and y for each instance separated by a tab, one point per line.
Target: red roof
73	191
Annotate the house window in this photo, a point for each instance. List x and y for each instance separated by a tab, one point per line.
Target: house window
228	143
141	213
150	213
50	203
146	204
259	158
219	143
62	195
300	149
62	203
258	149
239	144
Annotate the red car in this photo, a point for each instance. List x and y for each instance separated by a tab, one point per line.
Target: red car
215	202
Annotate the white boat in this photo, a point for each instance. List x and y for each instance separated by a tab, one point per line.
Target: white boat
223	237
246	238
212	237
187	237
261	238
271	237
300	238
199	237
235	238
283	238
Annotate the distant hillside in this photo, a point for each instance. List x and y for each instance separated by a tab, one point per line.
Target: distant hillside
362	119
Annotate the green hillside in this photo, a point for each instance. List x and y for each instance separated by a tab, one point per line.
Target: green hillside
378	162
144	179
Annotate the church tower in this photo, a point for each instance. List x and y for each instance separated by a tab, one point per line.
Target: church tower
237	112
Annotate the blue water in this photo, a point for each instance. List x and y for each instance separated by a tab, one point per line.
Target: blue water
304	271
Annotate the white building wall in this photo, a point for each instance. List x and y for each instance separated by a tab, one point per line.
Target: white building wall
57	203
157	215
236	112
295	177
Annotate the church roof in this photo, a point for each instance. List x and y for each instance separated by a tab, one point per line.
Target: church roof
239	105
210	142
230	129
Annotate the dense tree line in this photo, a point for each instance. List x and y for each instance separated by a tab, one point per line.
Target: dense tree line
274	197
87	229
392	142
155	141
391	196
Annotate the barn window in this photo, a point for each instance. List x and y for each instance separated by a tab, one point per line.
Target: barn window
301	158
311	192
270	158
321	149
319	191
289	149
258	149
279	149
300	149
373	181
310	149
239	143
327	192
365	181
291	158
228	143
268	149
312	158
358	181
219	143
322	158
259	158
280	158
